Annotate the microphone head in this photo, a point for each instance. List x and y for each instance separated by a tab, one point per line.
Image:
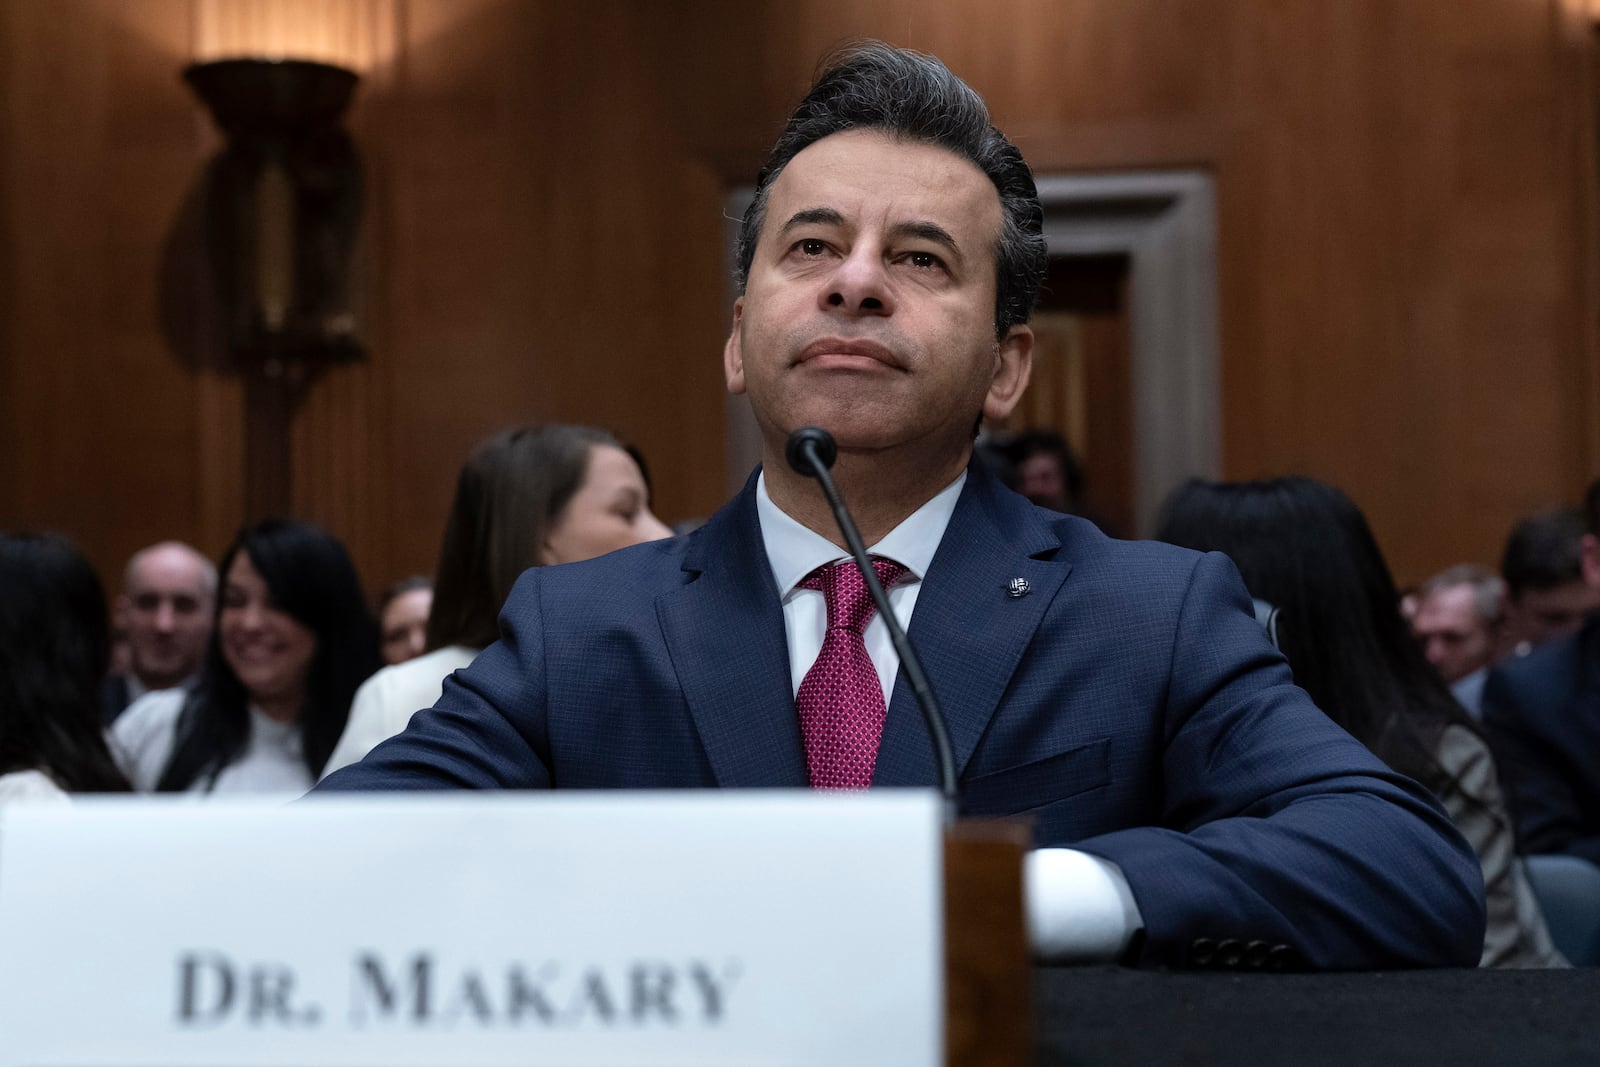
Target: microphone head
820	440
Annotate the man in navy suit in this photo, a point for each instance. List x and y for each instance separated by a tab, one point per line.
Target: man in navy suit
1542	714
1191	806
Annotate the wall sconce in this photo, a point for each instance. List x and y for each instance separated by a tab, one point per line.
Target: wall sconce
283	202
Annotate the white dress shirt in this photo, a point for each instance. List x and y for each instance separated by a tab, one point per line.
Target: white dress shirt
1079	906
142	739
385	702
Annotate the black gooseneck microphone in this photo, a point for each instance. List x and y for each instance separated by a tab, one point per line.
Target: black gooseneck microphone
811	451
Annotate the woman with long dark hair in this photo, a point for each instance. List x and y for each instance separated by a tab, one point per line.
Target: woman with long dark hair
55	644
293	639
527	497
1306	548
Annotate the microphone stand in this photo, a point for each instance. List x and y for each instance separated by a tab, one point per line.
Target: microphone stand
988	1017
811	451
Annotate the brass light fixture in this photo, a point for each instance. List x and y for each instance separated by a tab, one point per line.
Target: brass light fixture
282	207
283	202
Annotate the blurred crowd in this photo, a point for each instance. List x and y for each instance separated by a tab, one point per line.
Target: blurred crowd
271	668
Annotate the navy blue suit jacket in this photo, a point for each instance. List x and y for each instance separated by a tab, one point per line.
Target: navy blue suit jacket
1542	715
1129	705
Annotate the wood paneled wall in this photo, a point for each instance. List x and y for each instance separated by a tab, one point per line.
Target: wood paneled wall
1406	254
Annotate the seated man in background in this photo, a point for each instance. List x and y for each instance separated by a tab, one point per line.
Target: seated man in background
1546	596
1458	622
165	612
1542	715
1192	806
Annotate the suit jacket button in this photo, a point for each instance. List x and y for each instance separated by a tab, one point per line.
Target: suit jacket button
1230	953
1282	958
1202	951
1255	954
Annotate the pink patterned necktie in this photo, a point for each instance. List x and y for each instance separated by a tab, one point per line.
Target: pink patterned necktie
840	701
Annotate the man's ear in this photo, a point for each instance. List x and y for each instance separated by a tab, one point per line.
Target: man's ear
1590	557
733	352
1013	366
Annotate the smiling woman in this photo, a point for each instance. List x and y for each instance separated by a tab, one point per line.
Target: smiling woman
293	640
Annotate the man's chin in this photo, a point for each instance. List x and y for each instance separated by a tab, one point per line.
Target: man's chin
850	438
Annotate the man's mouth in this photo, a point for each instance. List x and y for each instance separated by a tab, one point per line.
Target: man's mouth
843	354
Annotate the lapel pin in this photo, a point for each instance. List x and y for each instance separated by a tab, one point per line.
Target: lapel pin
1019	587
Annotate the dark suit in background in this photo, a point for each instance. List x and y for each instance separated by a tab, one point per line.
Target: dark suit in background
1129	705
115	696
1542	715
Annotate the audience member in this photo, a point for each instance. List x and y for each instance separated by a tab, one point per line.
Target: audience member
1542	714
403	619
1546	594
292	641
525	498
1040	465
1307	549
54	646
168	594
1192	806
1047	471
1458	622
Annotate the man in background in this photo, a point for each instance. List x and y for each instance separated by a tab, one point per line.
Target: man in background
1542	716
1458	622
165	609
1546	595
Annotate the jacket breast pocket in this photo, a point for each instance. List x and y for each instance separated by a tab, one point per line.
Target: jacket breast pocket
1016	790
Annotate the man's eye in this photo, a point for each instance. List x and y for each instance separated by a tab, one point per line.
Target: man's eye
811	247
924	260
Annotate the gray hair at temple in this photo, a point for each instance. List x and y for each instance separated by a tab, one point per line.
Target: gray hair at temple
913	96
1488	589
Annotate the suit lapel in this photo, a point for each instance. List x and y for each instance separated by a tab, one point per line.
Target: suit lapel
968	630
725	634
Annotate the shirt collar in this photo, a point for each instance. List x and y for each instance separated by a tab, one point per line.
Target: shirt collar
794	551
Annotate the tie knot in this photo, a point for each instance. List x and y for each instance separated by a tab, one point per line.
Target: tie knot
850	605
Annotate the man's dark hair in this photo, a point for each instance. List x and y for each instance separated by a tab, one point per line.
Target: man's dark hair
1544	551
912	96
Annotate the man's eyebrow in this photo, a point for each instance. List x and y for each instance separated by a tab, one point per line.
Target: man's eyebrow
927	231
813	216
919	229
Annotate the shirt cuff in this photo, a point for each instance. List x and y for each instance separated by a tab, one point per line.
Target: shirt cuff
1080	909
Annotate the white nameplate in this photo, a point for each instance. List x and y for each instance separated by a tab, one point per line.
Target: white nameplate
697	928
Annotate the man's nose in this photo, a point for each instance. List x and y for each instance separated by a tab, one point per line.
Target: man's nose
860	284
166	617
